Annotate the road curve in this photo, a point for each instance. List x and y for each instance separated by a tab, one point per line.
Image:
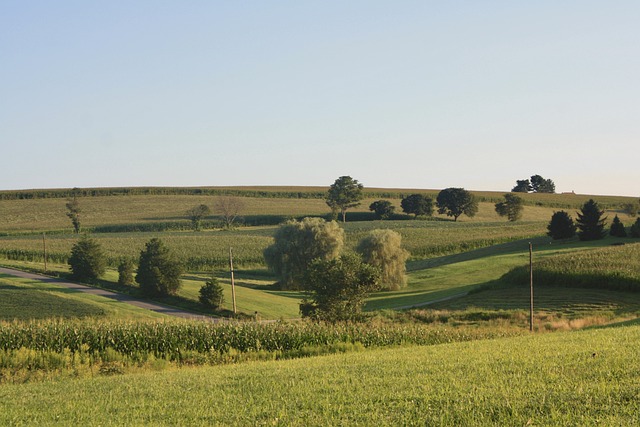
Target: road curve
158	308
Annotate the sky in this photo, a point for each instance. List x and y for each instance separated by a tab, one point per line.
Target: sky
396	94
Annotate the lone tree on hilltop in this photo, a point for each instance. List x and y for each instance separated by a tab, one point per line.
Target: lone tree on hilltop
297	243
158	270
73	208
522	186
382	208
338	288
541	185
87	261
617	228
511	207
343	194
417	204
383	250
590	221
197	214
455	202
561	226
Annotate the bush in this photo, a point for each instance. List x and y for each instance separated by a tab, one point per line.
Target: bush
87	260
158	270
211	294
297	244
339	288
561	226
382	249
125	272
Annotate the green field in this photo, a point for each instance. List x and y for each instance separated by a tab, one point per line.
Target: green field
561	379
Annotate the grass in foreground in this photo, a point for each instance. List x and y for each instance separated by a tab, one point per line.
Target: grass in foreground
564	379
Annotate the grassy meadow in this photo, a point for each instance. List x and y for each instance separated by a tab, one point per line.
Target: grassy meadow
564	379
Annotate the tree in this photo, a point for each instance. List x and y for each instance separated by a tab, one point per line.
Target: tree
455	202
211	294
383	250
338	288
590	221
125	272
561	226
229	209
382	208
522	186
87	261
158	270
541	185
635	229
197	214
74	213
297	243
617	228
511	207
343	194
417	204
631	209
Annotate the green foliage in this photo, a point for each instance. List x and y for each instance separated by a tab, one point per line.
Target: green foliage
511	207
297	244
343	194
87	261
73	213
561	226
635	229
522	186
158	270
196	215
338	288
631	208
125	272
541	185
383	209
590	221
211	294
383	250
455	202
617	228
417	204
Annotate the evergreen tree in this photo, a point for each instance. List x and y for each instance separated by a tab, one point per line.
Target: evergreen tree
590	221
158	270
125	272
211	294
617	228
87	261
561	226
635	229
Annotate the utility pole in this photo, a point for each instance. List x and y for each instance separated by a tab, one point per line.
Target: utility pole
530	287
233	283
44	249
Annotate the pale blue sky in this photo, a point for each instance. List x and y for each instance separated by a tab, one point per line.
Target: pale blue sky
412	94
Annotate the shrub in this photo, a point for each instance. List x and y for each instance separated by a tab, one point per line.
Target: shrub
87	260
382	249
211	294
125	272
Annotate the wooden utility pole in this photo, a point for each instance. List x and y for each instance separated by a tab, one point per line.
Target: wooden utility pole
233	283
530	287
44	251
